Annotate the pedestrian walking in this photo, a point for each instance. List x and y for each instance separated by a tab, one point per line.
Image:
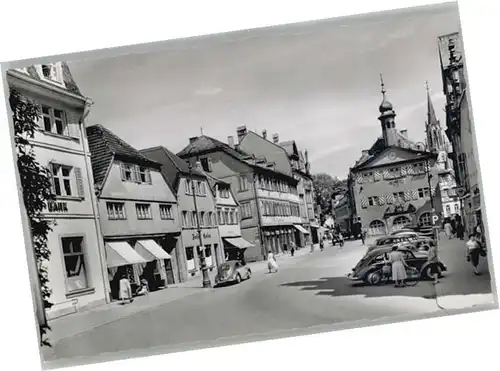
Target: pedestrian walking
473	252
125	290
448	230
433	263
398	266
460	230
322	243
363	236
341	240
271	262
292	248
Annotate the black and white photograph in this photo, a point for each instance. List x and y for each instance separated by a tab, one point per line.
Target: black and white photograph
249	185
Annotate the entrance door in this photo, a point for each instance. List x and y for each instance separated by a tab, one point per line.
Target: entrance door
170	271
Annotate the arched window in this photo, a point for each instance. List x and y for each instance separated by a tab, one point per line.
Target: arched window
400	222
425	219
376	227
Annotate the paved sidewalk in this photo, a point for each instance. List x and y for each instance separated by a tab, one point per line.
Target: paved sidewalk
460	288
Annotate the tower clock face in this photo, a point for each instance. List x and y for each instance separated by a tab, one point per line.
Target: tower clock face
392	155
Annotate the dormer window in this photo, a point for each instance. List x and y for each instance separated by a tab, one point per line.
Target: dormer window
51	72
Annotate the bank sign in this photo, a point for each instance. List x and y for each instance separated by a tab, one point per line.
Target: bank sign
57	207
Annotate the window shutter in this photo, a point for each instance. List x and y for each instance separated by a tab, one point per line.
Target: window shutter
209	164
389	198
407	195
414	194
364	202
51	177
122	171
148	176
386	174
79	182
137	177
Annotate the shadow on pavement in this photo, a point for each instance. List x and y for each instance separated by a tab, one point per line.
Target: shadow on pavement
342	286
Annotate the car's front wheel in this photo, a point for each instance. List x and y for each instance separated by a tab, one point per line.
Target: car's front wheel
249	274
238	278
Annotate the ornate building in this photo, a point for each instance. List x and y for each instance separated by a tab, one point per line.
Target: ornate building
392	183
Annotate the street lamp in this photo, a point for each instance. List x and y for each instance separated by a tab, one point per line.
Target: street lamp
204	270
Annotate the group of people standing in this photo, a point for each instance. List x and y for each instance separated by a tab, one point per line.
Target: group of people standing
454	227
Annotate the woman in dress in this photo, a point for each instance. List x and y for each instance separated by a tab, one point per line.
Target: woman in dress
473	253
125	290
448	229
398	267
271	262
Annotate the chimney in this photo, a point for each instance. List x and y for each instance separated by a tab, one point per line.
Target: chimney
198	166
276	138
192	139
230	141
264	134
404	133
241	131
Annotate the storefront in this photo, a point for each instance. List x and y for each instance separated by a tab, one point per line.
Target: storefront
278	240
139	258
234	248
301	235
211	242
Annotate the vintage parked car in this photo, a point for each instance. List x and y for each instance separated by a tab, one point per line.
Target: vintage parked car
389	241
232	271
369	268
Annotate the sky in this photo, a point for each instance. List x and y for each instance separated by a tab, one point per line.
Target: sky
317	83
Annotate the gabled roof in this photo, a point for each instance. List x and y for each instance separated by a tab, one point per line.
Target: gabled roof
172	166
104	146
69	82
370	158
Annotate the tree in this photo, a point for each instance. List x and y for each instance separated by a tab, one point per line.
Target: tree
325	187
37	189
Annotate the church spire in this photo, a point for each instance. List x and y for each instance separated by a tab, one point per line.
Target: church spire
435	137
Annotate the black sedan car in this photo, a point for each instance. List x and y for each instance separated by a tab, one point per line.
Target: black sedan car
232	271
369	268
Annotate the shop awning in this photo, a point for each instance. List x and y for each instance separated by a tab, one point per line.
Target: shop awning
238	242
120	253
301	229
150	250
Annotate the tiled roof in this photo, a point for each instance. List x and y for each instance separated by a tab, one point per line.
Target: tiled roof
172	166
104	145
69	82
205	144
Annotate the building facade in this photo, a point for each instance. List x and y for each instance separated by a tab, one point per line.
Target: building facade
138	213
395	183
197	211
228	219
460	130
75	269
343	213
268	199
287	159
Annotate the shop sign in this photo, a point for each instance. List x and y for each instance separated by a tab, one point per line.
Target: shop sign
204	235
56	207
